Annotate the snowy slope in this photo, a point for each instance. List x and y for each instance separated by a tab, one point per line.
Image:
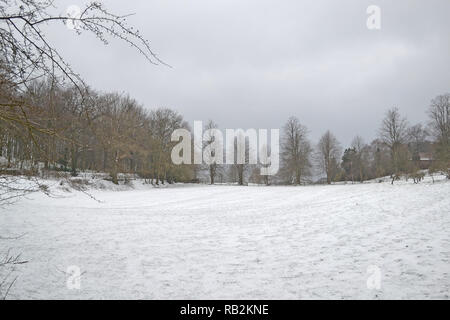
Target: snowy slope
223	242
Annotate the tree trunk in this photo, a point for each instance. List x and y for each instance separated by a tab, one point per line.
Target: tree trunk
241	175
105	159
74	160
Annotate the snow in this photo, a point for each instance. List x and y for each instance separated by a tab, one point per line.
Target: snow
231	242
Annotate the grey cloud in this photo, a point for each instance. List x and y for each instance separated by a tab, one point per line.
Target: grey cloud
254	63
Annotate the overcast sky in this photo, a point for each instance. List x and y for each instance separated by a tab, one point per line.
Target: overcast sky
254	63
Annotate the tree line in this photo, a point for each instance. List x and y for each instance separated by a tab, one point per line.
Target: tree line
399	150
113	133
92	131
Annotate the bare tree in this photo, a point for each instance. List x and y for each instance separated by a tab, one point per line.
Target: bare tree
361	157
329	151
439	113
379	155
394	133
265	150
241	165
296	151
213	167
417	136
163	122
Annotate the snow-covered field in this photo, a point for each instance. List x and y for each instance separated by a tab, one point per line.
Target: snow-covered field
220	242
